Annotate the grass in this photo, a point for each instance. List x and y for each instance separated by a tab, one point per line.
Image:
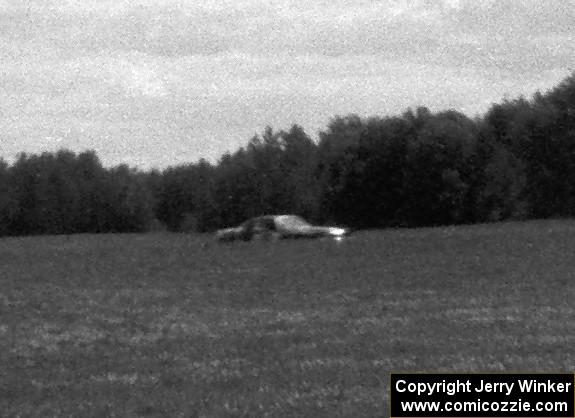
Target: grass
179	326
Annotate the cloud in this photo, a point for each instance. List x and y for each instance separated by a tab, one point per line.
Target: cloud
174	80
414	29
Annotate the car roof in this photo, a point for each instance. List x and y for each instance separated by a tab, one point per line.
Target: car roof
274	218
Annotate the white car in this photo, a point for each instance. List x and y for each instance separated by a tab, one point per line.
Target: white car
274	227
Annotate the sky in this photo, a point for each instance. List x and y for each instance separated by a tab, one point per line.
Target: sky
156	83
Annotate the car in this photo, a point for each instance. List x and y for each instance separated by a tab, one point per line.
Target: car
274	227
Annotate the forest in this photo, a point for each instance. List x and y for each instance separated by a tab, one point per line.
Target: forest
517	161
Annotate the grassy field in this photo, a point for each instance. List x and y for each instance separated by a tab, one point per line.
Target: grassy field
179	326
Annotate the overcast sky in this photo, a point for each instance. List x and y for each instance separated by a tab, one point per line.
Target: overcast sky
154	83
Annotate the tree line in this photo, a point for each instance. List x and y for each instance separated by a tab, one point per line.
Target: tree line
420	168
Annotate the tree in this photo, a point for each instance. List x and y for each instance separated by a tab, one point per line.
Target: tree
7	202
126	201
438	176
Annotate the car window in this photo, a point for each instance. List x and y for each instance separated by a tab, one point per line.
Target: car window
260	224
267	224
